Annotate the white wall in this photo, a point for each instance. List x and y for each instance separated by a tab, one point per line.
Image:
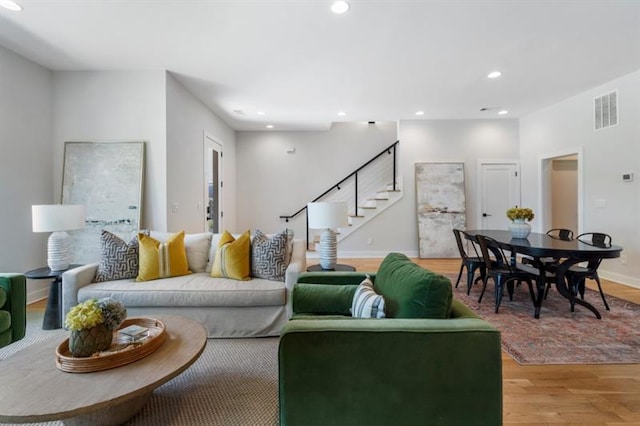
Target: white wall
272	182
187	121
446	141
607	154
102	106
26	169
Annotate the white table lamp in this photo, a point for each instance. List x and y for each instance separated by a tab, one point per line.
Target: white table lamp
58	219
327	216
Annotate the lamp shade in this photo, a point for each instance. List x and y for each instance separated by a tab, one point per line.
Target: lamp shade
57	217
327	214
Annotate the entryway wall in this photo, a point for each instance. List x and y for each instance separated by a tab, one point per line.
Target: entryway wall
564	193
561	190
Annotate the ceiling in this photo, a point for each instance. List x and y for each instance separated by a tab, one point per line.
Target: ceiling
301	64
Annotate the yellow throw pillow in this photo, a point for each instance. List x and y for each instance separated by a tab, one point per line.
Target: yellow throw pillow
162	260
233	257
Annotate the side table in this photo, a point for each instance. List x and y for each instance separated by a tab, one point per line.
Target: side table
52	315
339	267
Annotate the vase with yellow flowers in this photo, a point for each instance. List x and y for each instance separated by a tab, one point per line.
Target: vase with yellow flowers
518	227
92	323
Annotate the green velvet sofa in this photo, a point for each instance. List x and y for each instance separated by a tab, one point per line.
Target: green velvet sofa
13	308
404	370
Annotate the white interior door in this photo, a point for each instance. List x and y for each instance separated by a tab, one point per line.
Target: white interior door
213	185
499	191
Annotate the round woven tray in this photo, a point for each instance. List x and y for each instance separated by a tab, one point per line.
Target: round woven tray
121	352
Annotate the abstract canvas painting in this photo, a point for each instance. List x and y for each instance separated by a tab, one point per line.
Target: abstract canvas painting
440	203
105	177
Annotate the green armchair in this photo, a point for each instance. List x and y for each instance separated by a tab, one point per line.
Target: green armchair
338	370
13	308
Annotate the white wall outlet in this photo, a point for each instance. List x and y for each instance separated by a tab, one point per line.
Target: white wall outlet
174	207
623	259
369	241
600	203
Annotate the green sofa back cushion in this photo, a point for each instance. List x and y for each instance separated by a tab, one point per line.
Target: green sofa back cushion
3	297
323	299
411	291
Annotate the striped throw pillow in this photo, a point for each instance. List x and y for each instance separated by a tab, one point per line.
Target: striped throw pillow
366	302
162	260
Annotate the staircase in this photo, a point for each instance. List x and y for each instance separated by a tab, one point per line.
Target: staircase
369	190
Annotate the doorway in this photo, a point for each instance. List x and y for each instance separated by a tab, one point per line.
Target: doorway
213	185
499	190
561	190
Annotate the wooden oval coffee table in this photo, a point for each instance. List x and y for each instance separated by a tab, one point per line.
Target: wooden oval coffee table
34	390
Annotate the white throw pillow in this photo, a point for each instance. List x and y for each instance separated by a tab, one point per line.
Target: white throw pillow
366	302
196	245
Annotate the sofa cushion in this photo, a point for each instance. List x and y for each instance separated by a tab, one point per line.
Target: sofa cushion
196	245
411	291
323	299
194	290
162	260
233	257
268	255
5	321
366	302
3	297
118	259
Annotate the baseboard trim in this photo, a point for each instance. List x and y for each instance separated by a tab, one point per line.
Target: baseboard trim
364	254
619	278
40	294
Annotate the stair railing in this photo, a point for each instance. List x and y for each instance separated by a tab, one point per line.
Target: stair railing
390	150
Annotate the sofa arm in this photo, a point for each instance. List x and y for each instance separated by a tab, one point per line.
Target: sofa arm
297	265
72	281
390	371
15	285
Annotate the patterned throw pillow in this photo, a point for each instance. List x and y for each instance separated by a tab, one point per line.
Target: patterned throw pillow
119	260
233	257
162	260
366	302
269	256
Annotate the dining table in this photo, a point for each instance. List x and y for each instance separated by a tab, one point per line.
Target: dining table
568	252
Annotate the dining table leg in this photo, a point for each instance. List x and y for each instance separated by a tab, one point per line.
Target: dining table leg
563	288
541	284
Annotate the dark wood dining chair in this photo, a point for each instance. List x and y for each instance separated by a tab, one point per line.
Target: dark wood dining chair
561	234
472	263
558	233
576	274
501	271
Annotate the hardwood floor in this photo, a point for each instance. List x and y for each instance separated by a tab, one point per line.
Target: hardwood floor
551	394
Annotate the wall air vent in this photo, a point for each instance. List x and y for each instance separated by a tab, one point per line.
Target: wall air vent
605	110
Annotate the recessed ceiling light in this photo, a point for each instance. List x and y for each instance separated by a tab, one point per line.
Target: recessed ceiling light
419	112
339	7
11	5
342	113
269	126
503	112
260	113
494	74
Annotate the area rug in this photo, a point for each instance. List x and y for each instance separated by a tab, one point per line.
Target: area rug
234	382
559	336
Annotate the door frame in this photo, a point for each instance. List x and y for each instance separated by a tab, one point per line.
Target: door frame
211	143
544	192
488	161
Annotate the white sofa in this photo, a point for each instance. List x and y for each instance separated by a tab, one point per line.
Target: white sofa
226	307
